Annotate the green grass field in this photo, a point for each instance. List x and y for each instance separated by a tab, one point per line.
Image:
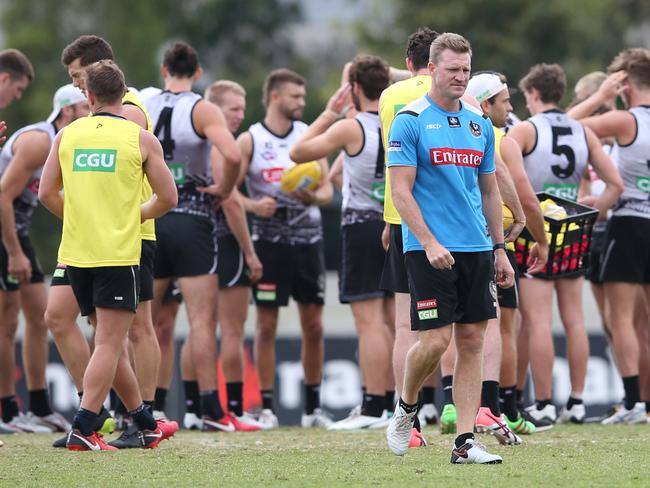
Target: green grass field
572	456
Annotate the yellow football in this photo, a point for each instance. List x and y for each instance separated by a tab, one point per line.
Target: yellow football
304	176
508	217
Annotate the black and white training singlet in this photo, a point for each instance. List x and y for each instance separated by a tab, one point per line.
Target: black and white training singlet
293	222
560	156
634	166
187	154
363	175
27	201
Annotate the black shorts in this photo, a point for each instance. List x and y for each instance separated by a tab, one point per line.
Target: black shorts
464	294
114	287
185	247
393	276
231	266
509	297
173	293
147	256
60	276
8	282
596	248
362	261
626	257
290	270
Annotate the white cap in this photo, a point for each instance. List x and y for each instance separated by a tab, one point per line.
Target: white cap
484	86
64	97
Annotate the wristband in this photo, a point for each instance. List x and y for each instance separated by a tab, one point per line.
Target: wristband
499	245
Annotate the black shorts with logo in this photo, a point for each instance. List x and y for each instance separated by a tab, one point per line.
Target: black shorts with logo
509	297
466	293
393	276
290	270
114	287
8	282
626	256
231	265
186	246
362	261
147	256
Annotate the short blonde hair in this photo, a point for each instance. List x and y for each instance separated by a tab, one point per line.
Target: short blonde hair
451	41
215	92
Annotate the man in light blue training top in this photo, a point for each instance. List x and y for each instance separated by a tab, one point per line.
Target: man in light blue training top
441	163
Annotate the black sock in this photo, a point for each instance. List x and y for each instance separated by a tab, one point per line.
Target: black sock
235	397
573	401
120	409
541	404
448	389
160	399
9	407
39	403
632	394
84	421
312	398
150	404
490	397
113	400
210	404
508	398
143	418
192	398
427	395
389	400
416	423
406	407
463	438
520	399
267	399
373	405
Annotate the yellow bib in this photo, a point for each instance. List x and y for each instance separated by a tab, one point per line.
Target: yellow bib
393	99
149	226
101	166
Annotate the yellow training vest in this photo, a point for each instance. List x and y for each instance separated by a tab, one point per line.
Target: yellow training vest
149	226
101	166
393	99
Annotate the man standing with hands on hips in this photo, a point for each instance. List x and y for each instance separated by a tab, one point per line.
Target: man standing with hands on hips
441	163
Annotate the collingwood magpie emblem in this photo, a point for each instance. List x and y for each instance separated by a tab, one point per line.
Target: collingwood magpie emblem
475	129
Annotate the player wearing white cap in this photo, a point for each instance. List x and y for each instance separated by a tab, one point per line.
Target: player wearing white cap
492	92
21	277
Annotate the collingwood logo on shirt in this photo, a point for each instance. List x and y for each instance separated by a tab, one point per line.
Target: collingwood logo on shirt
475	129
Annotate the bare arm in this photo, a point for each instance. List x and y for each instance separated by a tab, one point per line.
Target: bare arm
491	200
30	152
51	184
265	206
325	135
209	120
607	172
161	180
513	159
402	179
336	172
609	89
510	198
233	209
